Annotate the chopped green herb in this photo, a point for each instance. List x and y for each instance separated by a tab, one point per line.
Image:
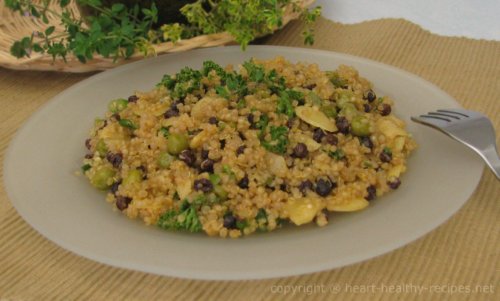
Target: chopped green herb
199	200
118	105
211	65
185	218
214	178
86	167
261	214
241	224
284	105
279	140
227	170
222	91
241	103
165	131
128	124
255	72
167	81
337	155
387	150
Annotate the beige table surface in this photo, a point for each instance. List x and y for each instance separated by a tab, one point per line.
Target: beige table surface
457	261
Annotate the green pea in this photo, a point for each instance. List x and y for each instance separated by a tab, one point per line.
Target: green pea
117	105
101	147
344	98
314	99
133	176
176	143
360	126
165	159
103	178
99	123
329	111
220	192
349	111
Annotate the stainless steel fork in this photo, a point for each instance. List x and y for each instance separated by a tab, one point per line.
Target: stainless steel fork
471	128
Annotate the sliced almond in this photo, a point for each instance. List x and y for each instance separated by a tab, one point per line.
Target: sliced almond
308	141
303	211
277	164
353	205
315	118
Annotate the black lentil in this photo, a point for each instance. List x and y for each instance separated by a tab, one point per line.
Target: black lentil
343	125
300	150
384	109
207	165
305	185
203	185
371	193
133	98
283	187
87	144
172	112
188	157
114	159
289	123
243	183
324	187
331	139
240	150
385	156
318	134
366	142
370	96
204	154
114	187
229	221
367	108
394	184
251	120
222	143
122	202
242	136
213	120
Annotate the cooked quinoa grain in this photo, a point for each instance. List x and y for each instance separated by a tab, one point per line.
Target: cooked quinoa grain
231	152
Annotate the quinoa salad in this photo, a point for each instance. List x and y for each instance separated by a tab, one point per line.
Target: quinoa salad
233	150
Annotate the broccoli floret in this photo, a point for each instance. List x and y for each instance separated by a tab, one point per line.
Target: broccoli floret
185	218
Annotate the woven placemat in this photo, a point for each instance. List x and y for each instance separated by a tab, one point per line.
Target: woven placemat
458	261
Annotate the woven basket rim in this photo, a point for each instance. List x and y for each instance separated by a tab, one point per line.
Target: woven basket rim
13	26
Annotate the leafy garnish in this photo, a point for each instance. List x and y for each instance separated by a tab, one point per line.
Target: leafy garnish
337	154
86	167
185	218
279	140
128	124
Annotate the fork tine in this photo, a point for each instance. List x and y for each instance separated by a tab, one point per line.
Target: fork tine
462	113
443	115
433	121
431	117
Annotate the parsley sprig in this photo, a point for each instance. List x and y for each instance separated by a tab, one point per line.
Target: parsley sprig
120	31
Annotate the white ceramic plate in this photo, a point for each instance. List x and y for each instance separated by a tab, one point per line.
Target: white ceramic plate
40	181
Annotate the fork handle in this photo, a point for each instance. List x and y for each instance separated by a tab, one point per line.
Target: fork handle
490	156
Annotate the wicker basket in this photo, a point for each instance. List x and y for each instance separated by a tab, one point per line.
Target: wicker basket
13	26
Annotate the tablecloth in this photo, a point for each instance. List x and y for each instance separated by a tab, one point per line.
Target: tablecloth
457	261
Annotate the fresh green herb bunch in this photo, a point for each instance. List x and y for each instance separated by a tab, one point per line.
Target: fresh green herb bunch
120	31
